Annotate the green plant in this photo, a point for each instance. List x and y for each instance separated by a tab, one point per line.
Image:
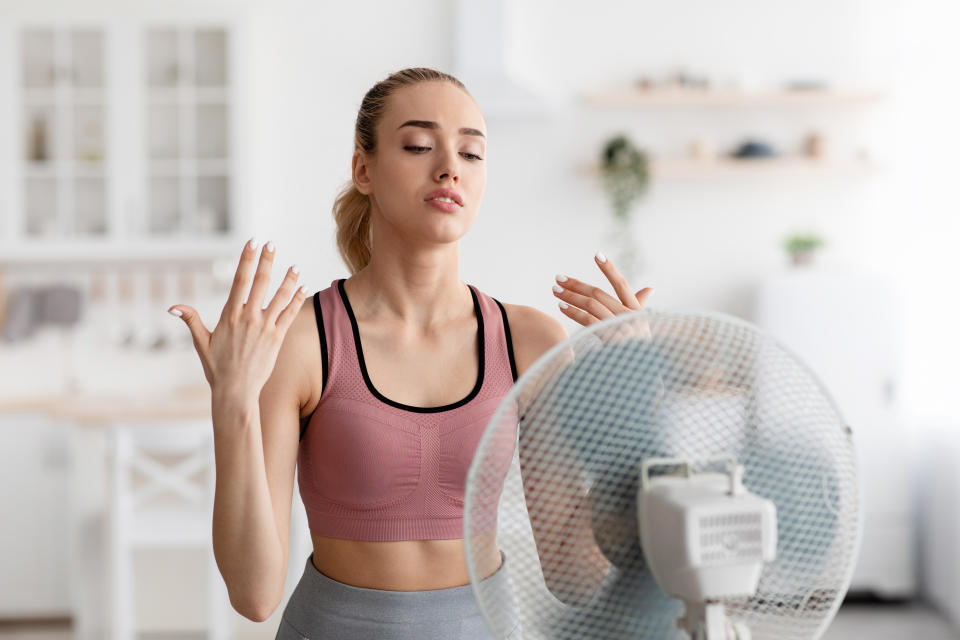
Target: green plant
626	173
800	242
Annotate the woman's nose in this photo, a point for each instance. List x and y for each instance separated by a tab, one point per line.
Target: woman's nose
448	168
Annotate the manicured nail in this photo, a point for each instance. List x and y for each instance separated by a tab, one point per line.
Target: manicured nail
563	305
557	288
601	257
175	312
270	246
561	278
295	269
252	243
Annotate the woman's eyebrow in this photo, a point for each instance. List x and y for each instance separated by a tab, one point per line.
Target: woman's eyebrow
429	124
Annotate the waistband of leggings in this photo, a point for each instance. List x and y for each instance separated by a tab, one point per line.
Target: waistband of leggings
456	602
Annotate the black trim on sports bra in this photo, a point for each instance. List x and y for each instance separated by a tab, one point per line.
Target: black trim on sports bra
323	339
324	360
506	328
400	405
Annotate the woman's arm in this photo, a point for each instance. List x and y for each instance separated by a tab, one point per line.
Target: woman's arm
555	488
256	445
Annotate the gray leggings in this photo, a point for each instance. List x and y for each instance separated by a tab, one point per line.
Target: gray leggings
321	608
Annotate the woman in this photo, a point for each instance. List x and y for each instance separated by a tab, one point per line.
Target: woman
377	390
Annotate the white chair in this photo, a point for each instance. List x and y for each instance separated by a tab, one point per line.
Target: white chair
169	509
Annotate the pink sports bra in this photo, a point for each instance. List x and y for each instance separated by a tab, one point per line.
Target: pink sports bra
370	468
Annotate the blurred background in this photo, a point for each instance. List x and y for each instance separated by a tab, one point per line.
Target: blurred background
791	163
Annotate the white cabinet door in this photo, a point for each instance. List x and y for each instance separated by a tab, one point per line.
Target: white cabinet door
125	132
34	531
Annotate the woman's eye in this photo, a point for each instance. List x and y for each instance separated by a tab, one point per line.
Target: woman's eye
415	149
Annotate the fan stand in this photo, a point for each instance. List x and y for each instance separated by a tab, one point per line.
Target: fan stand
707	621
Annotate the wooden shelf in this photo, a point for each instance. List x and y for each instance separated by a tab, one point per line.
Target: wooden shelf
673	168
629	97
683	168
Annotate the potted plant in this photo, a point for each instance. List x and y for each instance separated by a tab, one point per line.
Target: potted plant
801	247
625	172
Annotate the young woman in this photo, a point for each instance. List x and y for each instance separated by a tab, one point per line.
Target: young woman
376	390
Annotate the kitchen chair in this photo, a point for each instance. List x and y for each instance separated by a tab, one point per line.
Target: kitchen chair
158	503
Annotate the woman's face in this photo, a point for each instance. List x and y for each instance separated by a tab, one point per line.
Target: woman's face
432	136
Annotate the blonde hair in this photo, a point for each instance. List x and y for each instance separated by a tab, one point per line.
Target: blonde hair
351	209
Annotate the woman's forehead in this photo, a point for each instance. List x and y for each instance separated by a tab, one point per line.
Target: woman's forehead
443	104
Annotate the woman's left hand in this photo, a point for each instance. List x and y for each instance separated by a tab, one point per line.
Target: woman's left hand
587	304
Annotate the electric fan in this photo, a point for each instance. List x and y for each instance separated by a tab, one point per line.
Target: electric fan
664	475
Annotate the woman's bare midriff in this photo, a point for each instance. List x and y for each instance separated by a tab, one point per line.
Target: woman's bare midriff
407	565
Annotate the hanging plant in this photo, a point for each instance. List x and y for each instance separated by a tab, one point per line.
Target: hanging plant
626	174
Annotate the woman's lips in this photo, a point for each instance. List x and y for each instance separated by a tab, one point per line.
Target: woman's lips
448	207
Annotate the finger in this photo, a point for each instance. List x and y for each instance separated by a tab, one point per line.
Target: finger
201	337
261	279
619	282
643	295
241	279
291	310
592	299
282	296
577	315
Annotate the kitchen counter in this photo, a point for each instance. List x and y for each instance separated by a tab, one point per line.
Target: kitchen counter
98	408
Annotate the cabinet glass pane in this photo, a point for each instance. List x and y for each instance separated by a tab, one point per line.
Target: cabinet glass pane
212	131
88	134
41	207
163	64
86	46
39	131
38	57
210	58
164	204
213	204
90	202
164	131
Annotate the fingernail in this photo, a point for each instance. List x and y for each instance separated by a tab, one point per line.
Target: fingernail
252	243
563	305
270	246
601	257
295	269
561	278
558	288
175	312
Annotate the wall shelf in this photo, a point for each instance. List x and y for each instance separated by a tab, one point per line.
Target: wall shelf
676	97
683	167
680	168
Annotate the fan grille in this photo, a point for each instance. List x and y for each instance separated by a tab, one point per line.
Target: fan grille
557	471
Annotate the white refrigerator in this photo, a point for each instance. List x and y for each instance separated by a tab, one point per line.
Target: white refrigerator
845	326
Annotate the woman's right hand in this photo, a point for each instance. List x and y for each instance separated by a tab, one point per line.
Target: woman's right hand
240	354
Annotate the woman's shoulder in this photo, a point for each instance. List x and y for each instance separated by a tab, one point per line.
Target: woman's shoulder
532	333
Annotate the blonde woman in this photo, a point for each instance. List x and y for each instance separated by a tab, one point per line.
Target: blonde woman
376	390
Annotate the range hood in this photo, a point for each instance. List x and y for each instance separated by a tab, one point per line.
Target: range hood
481	52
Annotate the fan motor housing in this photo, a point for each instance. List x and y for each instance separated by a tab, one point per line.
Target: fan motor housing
703	541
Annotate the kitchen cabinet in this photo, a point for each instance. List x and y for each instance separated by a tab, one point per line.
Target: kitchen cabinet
34	531
125	135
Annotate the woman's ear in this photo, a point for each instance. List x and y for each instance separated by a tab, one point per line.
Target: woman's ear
361	173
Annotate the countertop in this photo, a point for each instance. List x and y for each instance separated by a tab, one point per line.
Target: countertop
98	408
